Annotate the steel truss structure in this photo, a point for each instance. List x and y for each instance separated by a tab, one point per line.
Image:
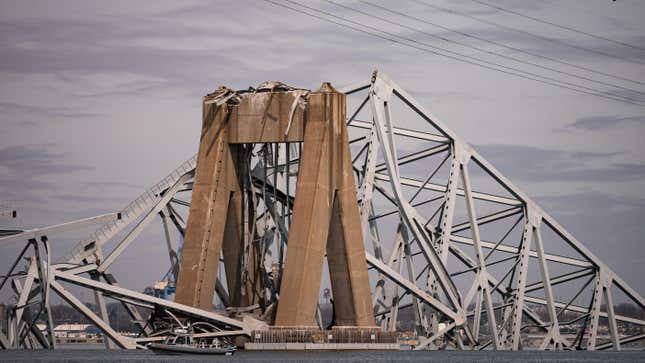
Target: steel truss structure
448	238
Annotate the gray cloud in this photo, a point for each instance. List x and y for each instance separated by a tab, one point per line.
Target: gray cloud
593	203
594	123
536	164
555	47
162	47
40	111
475	9
627	93
27	171
112	184
583	51
36	160
81	199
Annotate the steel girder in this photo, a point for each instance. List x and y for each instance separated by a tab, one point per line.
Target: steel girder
485	266
523	262
33	285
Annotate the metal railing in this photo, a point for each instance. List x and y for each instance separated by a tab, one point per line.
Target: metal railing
129	213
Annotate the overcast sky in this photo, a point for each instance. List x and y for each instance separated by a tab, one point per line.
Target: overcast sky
99	100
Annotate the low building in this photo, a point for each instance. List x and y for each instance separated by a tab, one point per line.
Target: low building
73	330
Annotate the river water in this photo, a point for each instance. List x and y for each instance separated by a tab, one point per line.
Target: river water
100	355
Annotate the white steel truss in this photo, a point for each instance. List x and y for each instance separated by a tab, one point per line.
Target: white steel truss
447	236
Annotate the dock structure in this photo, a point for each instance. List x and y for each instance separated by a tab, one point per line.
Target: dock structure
422	240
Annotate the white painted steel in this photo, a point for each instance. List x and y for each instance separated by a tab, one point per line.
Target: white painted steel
432	247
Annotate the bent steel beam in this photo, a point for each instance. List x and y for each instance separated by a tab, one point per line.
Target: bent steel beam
243	214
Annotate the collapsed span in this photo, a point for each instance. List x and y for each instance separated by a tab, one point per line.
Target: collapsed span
427	243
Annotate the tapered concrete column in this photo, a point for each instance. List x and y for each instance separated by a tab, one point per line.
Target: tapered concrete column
233	243
214	212
325	220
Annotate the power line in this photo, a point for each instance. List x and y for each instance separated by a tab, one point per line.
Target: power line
425	49
449	51
519	50
470	46
543	37
527	52
458	57
558	25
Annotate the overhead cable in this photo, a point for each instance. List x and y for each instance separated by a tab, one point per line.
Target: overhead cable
558	25
543	37
515	59
470	35
459	57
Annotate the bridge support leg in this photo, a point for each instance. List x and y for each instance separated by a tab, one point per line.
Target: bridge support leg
325	219
214	215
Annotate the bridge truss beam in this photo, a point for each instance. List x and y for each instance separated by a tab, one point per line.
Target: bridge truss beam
486	267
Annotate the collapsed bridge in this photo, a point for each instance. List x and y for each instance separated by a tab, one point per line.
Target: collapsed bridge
407	216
